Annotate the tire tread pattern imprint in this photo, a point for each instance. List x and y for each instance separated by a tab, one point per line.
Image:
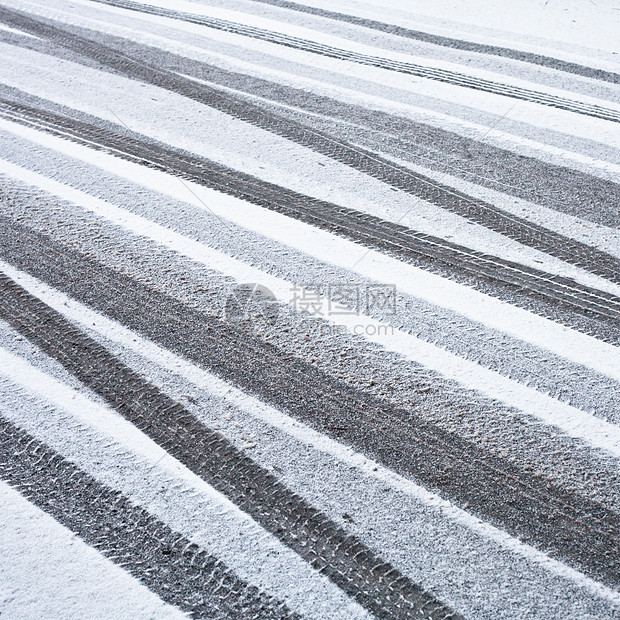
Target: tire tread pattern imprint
368	162
432	73
169	564
559	521
469	46
435	254
358	571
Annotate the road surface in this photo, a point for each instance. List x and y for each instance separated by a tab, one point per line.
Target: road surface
309	309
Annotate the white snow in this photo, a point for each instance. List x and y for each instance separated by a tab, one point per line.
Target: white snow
46	571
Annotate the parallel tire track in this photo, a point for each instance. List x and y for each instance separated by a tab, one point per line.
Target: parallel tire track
365	161
531	486
441	75
577	529
167	562
438	255
555	186
357	570
460	44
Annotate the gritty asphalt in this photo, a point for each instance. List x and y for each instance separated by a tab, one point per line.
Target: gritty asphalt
448	450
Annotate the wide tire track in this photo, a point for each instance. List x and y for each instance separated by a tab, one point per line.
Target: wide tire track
167	562
399	177
577	529
432	253
558	187
357	570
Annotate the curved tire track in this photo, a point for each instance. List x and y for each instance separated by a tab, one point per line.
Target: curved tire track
368	162
558	187
561	188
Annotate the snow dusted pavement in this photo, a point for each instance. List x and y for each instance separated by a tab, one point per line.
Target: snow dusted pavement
309	309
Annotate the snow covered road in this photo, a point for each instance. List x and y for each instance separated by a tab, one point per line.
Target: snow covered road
309	309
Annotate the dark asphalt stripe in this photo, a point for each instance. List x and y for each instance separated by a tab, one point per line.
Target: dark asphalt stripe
496	427
468	46
364	576
560	296
168	563
563	189
194	283
431	73
370	163
582	532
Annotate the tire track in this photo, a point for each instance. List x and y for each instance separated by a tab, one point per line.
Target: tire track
454	405
367	162
495	490
431	253
460	44
560	188
346	561
449	542
500	499
440	75
168	563
72	579
563	189
39	396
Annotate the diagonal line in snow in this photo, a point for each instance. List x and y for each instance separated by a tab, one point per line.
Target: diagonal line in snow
111	330
580	348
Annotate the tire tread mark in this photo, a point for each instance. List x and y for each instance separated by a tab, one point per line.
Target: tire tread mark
432	73
168	563
433	253
578	529
328	548
368	162
469	46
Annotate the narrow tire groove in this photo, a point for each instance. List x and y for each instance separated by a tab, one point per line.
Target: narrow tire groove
432	73
460	44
